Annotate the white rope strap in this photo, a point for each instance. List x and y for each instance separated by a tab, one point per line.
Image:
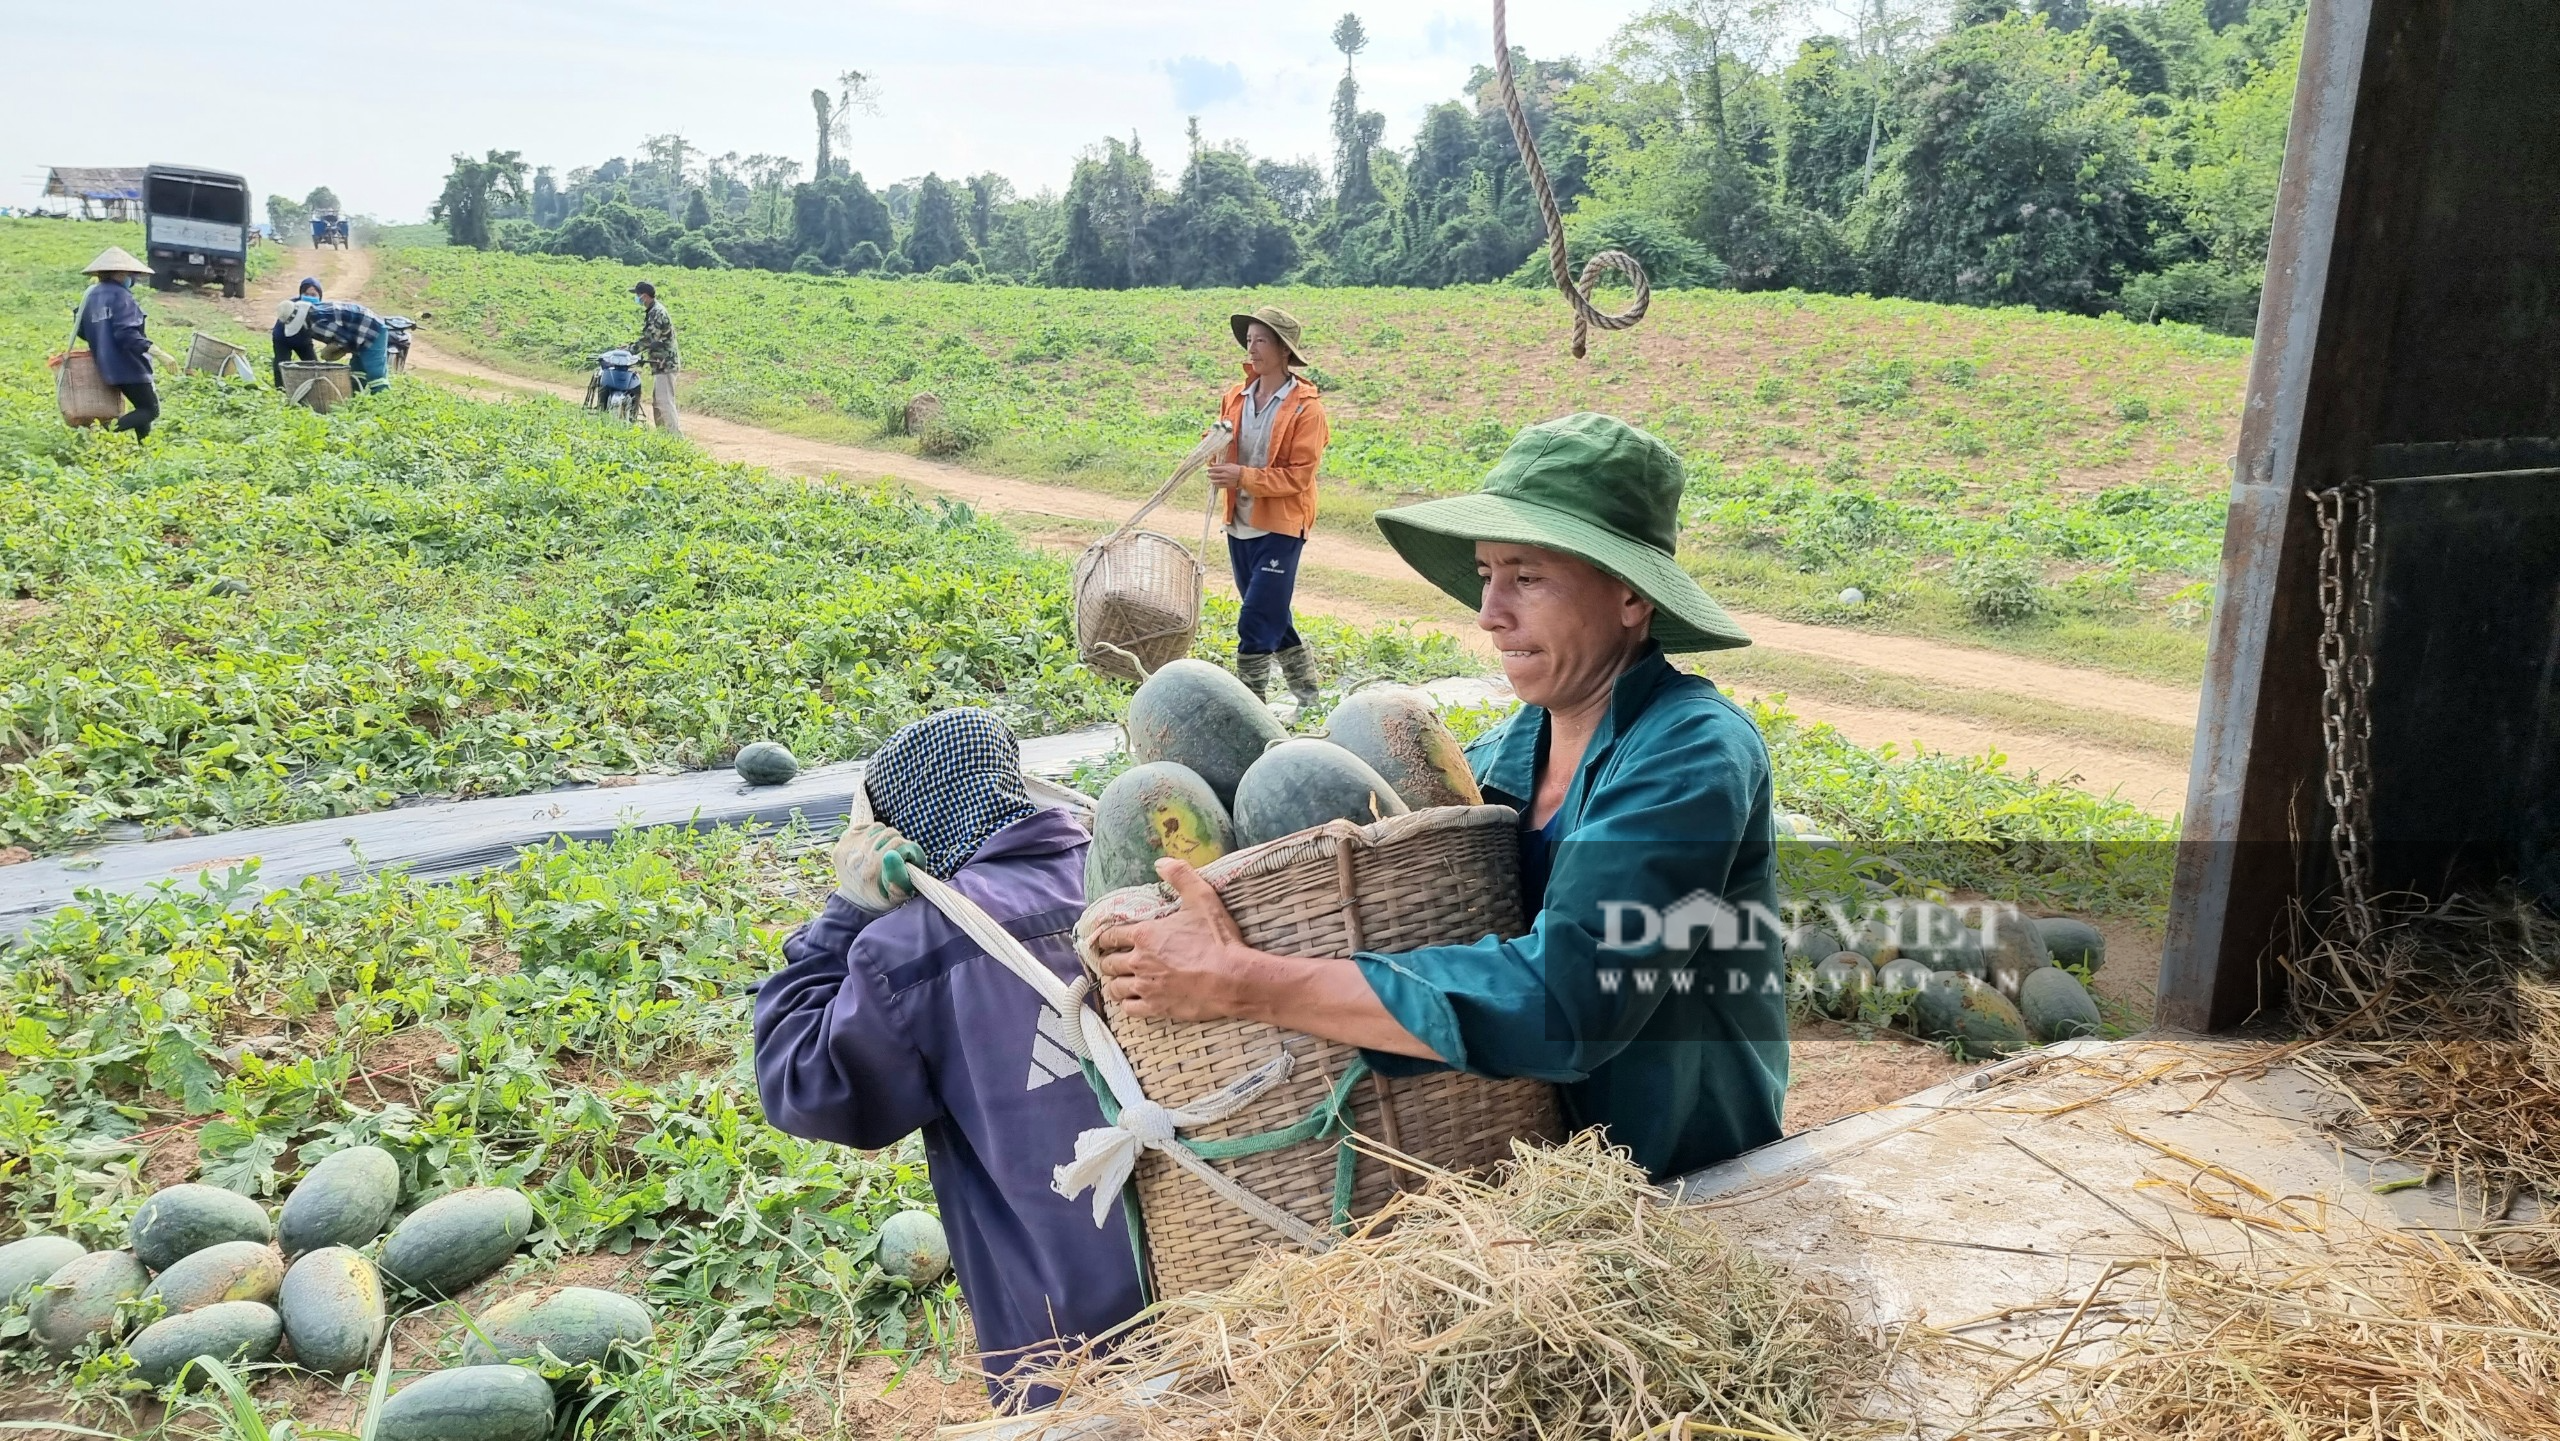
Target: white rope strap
1219	437
1106	1155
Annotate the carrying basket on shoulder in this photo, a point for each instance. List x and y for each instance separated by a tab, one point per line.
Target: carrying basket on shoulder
82	396
1137	592
1449	875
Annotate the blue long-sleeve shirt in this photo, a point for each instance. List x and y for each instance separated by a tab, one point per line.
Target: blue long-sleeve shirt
1647	989
111	323
880	1026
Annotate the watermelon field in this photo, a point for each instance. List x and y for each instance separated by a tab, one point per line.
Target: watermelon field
2017	478
262	615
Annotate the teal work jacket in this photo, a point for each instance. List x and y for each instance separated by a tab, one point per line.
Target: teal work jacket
1647	989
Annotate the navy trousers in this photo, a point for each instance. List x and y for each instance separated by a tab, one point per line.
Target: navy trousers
146	408
1266	569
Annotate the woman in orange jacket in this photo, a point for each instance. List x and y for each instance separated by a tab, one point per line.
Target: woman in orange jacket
1270	484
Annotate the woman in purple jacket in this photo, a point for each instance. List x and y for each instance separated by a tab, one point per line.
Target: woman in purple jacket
887	1019
112	324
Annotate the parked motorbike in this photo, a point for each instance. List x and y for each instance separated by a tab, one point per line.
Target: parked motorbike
401	328
615	387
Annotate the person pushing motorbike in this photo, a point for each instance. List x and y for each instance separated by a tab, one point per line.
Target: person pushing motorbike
657	344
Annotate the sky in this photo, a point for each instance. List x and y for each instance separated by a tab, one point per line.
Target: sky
374	100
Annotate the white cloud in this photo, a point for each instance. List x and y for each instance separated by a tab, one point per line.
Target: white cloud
1199	84
374	100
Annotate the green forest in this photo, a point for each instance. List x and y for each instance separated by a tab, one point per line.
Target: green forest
2061	154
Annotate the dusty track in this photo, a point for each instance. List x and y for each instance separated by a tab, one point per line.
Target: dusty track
2146	779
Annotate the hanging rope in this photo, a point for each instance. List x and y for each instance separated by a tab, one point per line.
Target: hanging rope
1585	314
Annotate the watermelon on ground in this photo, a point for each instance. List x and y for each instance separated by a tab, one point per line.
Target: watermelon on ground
2056	1006
181	1220
346	1201
79	1301
231	1271
455	1240
332	1307
25	1262
578	1325
766	763
1956	1007
468	1403
2073	942
913	1248
227	1331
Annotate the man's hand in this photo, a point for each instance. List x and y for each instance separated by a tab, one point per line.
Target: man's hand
1188	966
871	867
1225	476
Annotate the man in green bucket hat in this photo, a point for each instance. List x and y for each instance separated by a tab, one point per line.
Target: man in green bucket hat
1651	985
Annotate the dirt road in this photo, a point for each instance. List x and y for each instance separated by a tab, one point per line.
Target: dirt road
2145	778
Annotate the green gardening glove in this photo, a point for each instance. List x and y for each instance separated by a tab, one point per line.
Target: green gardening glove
871	866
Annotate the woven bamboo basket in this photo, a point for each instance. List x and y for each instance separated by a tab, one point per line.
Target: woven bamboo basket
208	356
82	396
1137	592
1447	875
317	384
1137	604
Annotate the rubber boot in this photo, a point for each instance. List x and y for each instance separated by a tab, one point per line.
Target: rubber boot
1254	669
1298	664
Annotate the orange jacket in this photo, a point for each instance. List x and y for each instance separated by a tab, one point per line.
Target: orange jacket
1284	492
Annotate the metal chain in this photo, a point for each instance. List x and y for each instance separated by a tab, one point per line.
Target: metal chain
2345	514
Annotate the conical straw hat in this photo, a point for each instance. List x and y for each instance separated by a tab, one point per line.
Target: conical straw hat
115	260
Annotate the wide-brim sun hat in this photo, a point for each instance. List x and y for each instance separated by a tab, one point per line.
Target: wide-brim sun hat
293	315
1590	486
115	260
1281	324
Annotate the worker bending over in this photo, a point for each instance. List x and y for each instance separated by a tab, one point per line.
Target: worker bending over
342	328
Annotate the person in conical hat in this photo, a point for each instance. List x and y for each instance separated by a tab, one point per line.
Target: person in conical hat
112	324
115	260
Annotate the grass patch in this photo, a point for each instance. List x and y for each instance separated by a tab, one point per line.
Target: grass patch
264	615
1847	440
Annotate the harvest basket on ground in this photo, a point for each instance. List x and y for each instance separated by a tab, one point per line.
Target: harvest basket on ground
1137	592
317	385
208	356
1446	875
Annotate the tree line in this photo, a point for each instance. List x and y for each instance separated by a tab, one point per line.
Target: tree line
2063	154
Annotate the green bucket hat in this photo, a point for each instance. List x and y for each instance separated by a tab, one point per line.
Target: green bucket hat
1282	324
1590	486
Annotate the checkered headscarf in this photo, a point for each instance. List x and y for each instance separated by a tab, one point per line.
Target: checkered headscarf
947	783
